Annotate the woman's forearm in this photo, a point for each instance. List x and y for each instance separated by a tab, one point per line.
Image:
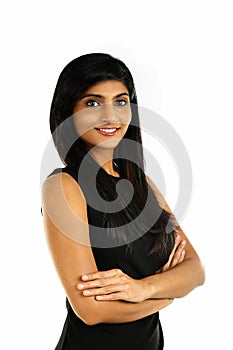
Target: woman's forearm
117	311
123	311
175	282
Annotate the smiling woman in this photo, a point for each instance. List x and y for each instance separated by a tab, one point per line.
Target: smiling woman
120	254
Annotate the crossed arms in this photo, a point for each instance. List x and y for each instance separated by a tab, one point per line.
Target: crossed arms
122	298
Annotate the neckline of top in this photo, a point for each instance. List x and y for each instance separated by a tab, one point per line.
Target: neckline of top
115	166
113	176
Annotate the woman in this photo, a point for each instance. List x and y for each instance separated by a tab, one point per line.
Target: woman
118	250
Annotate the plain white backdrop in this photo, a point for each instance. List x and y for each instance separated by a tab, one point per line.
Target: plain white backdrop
180	54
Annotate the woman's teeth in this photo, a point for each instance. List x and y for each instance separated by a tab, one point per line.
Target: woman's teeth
108	131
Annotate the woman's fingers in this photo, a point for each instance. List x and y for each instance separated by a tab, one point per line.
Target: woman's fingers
178	255
182	257
102	278
105	290
112	296
112	285
171	256
176	245
101	274
101	282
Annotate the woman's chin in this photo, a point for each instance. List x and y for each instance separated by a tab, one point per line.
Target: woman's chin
108	144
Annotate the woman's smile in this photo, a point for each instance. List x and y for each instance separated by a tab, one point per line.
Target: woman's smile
111	131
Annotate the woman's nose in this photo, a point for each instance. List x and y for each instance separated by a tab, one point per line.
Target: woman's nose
109	115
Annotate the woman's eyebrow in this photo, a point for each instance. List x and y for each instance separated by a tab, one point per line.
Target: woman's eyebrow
122	94
102	97
91	95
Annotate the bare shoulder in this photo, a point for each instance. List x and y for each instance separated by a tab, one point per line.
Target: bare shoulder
64	206
62	183
63	188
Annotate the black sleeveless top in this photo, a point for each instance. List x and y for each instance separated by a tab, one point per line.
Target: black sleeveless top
142	334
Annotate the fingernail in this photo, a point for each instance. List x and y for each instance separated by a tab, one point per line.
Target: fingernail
177	236
86	292
84	277
80	286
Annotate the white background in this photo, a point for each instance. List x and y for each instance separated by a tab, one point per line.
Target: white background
180	54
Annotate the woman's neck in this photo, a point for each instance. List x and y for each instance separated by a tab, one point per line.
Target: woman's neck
105	159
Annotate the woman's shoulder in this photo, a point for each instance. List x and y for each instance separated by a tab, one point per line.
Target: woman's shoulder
62	180
64	170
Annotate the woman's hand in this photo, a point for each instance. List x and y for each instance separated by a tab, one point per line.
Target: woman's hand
116	285
112	285
177	255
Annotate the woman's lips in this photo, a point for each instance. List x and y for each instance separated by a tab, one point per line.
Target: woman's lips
107	131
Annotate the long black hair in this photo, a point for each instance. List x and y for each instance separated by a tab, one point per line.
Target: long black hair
78	76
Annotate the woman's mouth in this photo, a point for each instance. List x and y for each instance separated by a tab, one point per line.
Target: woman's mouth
107	131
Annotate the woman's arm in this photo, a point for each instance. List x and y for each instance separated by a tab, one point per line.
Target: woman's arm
183	272
184	277
66	228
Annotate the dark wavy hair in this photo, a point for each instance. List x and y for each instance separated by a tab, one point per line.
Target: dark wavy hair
79	75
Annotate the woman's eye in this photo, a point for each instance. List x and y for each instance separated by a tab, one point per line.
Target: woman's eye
92	103
121	103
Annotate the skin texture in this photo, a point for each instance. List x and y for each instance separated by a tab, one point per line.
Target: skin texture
122	298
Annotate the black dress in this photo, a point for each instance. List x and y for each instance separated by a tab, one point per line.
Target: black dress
143	334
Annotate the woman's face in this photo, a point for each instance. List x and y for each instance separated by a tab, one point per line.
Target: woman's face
102	114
